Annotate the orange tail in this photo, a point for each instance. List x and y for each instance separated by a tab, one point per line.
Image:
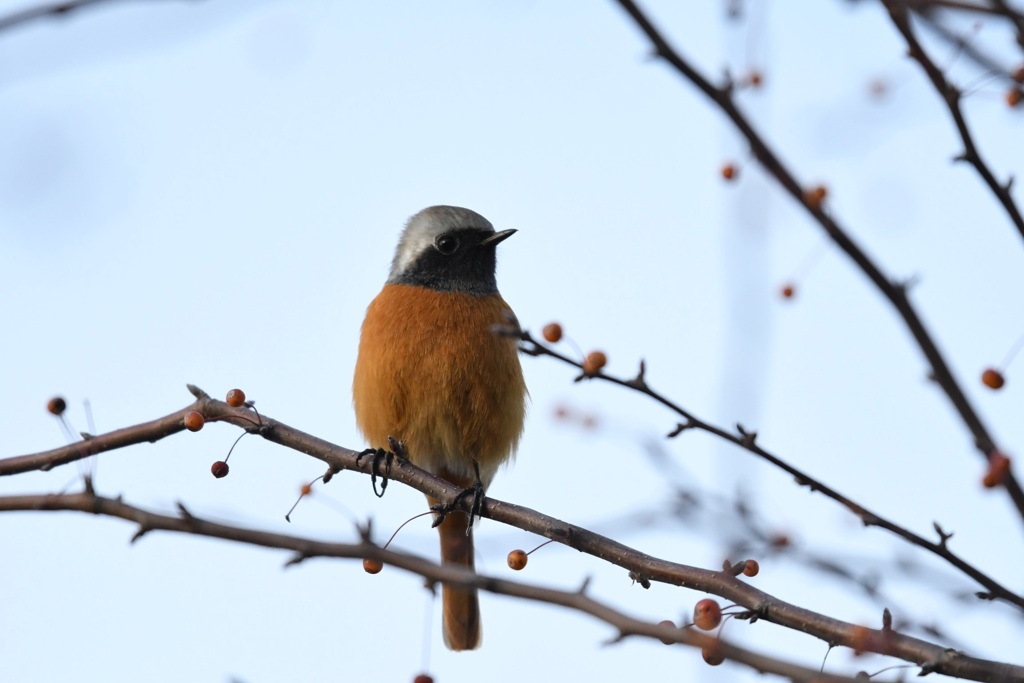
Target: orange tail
461	608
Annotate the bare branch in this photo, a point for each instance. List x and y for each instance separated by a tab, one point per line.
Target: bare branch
748	441
951	95
766	607
920	5
1017	17
140	433
894	292
55	10
885	641
968	48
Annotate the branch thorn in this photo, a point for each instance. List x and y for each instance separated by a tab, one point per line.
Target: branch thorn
183	511
197	392
943	536
748	437
143	530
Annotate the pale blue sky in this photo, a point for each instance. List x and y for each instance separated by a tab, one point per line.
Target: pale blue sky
210	193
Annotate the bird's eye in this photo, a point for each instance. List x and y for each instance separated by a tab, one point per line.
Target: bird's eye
447	244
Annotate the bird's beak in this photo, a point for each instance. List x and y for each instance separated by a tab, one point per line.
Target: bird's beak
497	237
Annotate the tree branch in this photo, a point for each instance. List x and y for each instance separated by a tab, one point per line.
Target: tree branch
951	95
748	441
895	292
642	567
303	548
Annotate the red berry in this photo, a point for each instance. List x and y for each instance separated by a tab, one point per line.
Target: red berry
517	559
236	398
219	469
998	468
752	568
788	291
878	88
1014	96
993	379
57	405
552	332
711	655
707	615
594	361
194	421
423	678
372	566
729	172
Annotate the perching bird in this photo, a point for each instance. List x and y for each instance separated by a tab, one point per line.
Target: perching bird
433	374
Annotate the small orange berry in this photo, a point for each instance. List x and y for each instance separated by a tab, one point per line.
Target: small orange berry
998	468
788	291
707	615
1018	74
306	489
711	655
1014	96
594	361
194	421
752	568
552	332
993	379
780	539
878	88
729	172
756	78
220	469
57	405
235	398
517	559
423	678
815	196
372	566
669	624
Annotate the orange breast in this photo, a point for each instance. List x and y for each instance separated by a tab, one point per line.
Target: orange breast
432	374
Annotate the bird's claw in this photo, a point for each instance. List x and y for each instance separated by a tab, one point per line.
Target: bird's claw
378	456
443	509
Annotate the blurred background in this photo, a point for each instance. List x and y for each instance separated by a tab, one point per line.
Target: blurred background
211	193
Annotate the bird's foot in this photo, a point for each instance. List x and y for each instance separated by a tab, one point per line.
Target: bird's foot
378	456
475	490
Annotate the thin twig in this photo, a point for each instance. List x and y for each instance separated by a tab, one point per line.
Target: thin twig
1016	16
952	95
957	5
965	46
56	10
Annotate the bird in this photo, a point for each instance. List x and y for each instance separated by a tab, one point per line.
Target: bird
434	375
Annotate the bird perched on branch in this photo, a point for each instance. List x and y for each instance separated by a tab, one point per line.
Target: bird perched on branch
433	374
